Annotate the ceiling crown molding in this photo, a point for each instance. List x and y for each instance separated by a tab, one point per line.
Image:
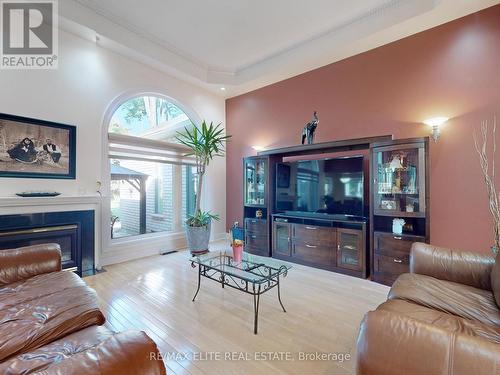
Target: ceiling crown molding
324	48
358	34
390	12
94	6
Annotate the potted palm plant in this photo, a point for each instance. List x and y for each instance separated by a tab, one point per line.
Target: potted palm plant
205	142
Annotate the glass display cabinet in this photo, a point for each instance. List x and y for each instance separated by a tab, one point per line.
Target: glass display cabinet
400	205
281	238
255	182
399	181
256	205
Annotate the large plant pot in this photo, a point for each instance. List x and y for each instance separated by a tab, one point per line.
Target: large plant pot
198	239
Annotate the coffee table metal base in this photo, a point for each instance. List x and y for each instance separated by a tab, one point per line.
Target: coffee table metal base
249	287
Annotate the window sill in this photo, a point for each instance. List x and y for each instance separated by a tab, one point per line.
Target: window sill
143	238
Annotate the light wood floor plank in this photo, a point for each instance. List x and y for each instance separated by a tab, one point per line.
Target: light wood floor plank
154	294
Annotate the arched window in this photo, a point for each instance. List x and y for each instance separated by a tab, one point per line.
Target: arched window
152	182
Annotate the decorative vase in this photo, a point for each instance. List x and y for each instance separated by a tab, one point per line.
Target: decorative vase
237	253
198	239
397	226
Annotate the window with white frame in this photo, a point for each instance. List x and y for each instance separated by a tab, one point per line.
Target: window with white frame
152	179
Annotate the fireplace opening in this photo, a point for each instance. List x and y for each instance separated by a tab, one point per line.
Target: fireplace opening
64	235
72	230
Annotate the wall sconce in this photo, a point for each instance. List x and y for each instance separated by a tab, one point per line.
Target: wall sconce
436	123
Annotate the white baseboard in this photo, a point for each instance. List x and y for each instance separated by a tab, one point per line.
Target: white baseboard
141	249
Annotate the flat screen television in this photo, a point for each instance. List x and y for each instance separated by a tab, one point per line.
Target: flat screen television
325	187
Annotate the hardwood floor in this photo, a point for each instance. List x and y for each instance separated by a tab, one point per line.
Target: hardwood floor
154	294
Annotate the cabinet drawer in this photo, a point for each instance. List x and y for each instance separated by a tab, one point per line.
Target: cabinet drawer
314	235
390	265
257	250
256	225
314	254
393	244
255	240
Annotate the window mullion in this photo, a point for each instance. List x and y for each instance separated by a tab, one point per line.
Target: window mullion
177	198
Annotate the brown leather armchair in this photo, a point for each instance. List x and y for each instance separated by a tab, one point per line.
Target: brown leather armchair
442	318
50	322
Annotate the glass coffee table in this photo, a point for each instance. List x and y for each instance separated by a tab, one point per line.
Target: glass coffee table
254	275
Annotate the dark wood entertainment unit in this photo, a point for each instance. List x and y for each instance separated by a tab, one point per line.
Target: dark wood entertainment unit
360	247
335	245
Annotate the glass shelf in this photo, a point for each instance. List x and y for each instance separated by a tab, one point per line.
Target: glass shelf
255	182
399	183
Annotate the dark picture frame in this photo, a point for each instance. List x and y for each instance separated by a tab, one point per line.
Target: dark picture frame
388	204
33	148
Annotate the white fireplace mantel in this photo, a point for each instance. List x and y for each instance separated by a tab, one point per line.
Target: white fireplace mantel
20	205
15	201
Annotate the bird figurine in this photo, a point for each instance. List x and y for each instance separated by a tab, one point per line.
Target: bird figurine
309	129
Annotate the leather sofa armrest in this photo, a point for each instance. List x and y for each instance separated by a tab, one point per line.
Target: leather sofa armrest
462	267
392	344
25	262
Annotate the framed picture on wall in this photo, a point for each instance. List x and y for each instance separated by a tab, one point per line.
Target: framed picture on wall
31	148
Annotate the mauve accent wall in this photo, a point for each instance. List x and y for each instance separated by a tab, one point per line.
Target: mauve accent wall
452	70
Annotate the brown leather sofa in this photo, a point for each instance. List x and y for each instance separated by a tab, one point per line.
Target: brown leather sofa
50	322
441	318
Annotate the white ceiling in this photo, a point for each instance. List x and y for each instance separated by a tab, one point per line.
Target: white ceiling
228	35
245	44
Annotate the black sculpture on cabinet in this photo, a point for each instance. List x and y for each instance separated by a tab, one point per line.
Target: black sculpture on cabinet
309	129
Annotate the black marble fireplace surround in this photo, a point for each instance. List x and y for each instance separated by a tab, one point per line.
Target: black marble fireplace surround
72	230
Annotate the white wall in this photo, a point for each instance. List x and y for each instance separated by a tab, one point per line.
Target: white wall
88	80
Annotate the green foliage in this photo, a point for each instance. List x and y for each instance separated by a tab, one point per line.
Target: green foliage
205	142
136	109
117	128
201	219
172	110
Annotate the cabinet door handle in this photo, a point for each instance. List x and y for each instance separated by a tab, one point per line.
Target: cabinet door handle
253	237
398	261
253	221
398	238
349	247
311	228
311	246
